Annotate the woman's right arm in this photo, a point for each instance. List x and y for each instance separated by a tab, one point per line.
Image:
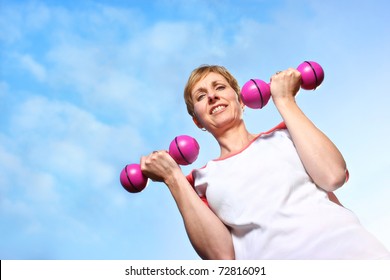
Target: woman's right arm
210	237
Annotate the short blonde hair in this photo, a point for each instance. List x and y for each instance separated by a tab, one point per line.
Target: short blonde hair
199	73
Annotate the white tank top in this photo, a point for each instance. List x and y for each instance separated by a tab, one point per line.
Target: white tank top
274	209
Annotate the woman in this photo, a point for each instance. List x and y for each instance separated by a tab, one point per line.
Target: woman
268	195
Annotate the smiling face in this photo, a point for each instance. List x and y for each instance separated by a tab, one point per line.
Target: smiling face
216	103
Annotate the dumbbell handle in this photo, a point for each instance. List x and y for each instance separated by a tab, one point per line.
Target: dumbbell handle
256	93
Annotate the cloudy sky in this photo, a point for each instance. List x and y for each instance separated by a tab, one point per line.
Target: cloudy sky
89	86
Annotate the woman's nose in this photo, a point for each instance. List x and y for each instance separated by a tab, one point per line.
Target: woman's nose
212	95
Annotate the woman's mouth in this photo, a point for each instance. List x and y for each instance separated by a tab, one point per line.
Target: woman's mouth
217	109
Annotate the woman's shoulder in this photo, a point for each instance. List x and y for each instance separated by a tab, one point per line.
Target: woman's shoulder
280	126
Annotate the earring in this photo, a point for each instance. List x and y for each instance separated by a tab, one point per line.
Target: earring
203	129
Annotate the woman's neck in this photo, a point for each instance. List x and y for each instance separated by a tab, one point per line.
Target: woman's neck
234	140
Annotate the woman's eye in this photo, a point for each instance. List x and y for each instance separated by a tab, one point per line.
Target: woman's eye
200	96
221	87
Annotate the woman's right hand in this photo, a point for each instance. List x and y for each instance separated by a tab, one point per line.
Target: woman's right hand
159	166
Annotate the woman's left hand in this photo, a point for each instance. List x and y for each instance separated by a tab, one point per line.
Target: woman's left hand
285	85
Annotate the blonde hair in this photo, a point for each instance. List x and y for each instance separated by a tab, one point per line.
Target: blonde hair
199	73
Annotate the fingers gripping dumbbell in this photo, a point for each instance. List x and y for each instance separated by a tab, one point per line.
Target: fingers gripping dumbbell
256	93
183	149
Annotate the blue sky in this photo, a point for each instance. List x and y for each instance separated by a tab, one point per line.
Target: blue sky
89	86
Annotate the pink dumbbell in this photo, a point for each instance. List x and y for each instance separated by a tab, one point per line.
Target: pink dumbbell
183	149
256	93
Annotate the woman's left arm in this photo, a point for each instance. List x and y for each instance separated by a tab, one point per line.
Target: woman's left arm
321	158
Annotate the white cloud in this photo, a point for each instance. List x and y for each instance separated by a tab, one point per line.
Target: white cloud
69	143
61	129
59	164
25	191
112	91
32	66
9	165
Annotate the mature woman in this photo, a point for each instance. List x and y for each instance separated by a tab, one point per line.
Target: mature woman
268	195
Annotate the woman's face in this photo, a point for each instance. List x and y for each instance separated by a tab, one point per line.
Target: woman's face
216	104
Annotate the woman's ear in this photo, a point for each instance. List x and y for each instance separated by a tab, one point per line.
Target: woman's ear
240	100
197	122
242	104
